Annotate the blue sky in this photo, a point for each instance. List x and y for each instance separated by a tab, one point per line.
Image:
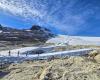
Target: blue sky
72	17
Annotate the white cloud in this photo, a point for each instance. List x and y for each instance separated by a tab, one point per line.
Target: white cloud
59	13
19	7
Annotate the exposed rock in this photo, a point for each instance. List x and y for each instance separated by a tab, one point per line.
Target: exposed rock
97	58
35	27
92	54
35	34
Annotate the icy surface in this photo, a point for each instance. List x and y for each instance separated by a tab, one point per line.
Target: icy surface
4	55
75	40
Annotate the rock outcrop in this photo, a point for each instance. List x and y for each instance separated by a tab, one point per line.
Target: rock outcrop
35	33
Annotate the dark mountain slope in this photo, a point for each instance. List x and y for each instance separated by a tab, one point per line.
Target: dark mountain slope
35	33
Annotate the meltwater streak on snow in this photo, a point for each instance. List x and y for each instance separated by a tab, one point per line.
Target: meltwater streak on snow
78	52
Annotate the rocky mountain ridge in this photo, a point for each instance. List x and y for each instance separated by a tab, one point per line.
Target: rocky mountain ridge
35	33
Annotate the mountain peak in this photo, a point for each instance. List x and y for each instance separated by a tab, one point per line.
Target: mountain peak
1	27
35	33
35	27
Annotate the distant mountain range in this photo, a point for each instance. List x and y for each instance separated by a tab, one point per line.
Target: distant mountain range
34	34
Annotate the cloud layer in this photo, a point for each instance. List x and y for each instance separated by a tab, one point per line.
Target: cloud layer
70	16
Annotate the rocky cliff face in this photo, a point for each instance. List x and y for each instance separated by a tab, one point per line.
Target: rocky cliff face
35	33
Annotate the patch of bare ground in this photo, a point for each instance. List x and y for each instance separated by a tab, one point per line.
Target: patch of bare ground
72	68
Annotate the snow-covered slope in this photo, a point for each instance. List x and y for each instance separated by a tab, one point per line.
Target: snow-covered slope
75	40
